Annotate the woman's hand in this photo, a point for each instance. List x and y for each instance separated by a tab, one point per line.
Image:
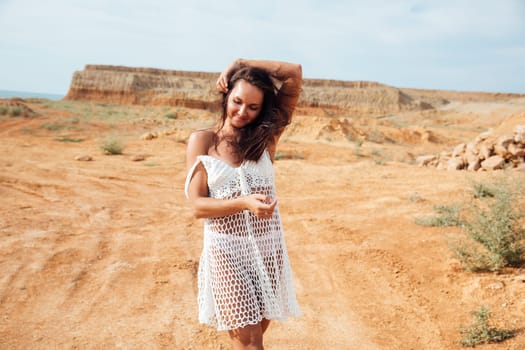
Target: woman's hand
222	82
260	205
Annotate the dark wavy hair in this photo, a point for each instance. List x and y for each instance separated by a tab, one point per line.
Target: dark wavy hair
255	137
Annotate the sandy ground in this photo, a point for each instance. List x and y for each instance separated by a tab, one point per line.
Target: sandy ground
103	254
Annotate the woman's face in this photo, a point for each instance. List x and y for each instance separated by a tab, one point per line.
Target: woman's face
244	104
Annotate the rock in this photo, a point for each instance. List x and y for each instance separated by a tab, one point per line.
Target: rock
149	136
471	148
458	150
504	141
500	151
84	158
473	162
471	155
496	285
516	151
474	166
455	163
501	145
520	167
520	278
425	160
426	136
493	163
138	158
519	134
483	136
485	150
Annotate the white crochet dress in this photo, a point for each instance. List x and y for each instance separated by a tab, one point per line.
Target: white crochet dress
244	272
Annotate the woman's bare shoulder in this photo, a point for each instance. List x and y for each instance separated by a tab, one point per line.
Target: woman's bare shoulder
202	139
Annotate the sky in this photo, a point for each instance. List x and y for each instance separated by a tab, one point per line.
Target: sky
465	45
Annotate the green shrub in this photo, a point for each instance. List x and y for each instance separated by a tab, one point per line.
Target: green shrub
446	215
53	126
480	332
151	164
281	156
69	139
378	157
494	231
482	190
112	147
357	148
171	115
3	110
15	111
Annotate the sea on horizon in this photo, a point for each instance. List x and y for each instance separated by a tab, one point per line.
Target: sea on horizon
28	94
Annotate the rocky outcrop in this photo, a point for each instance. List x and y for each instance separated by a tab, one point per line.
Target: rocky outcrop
359	97
486	152
147	86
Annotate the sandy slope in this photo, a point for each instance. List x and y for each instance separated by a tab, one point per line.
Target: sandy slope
103	254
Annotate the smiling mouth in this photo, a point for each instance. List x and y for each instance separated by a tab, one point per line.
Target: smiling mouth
241	118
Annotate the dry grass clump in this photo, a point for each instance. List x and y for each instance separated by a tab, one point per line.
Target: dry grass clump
493	227
112	146
492	224
446	215
481	332
14	111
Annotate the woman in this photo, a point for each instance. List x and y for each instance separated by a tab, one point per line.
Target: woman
244	273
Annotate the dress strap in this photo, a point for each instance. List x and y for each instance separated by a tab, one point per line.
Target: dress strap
190	176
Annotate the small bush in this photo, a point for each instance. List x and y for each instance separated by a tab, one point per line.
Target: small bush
446	215
378	157
496	236
171	115
152	164
281	156
415	197
480	332
482	190
3	110
69	139
53	126
112	147
357	148
15	111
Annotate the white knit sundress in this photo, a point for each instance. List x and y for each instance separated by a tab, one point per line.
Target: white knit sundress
244	271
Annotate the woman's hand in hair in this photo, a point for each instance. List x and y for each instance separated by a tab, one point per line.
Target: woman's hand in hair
222	81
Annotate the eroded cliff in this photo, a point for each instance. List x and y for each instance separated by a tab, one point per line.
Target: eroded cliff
148	86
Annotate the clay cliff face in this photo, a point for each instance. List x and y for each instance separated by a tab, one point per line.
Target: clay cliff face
148	86
124	85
